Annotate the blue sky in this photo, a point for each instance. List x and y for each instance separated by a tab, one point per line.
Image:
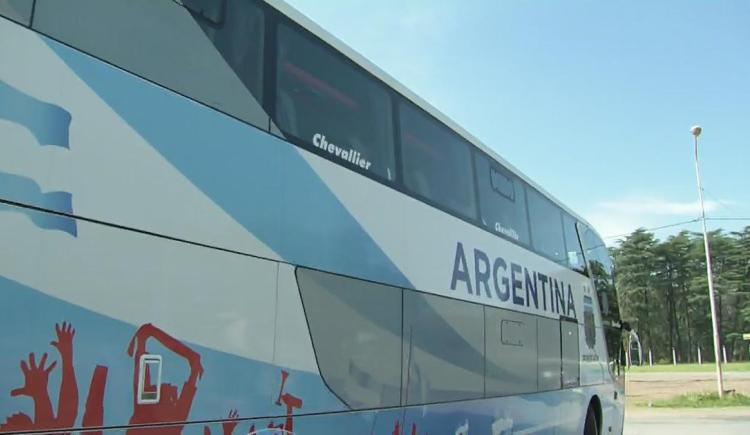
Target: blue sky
593	100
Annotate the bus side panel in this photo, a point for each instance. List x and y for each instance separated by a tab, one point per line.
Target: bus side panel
95	302
138	155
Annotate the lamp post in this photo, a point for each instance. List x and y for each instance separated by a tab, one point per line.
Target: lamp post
696	131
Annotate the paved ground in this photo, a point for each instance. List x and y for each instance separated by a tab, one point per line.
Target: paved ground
643	387
726	421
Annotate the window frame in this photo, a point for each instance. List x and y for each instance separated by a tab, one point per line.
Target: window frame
441	126
479	153
271	86
561	211
584	270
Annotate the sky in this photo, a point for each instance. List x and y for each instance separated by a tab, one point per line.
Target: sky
592	100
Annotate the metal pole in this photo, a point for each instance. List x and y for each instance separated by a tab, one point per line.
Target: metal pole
674	357
714	323
700	359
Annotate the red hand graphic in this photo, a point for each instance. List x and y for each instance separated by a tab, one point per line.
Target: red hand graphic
64	343
36	377
229	426
67	401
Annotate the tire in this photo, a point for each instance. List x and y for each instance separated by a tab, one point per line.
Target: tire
590	427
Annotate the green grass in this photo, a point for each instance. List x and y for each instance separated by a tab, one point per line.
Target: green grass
700	400
706	367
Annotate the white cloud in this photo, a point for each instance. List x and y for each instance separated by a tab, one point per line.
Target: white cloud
654	206
622	216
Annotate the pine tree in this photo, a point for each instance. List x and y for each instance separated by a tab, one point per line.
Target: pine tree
663	291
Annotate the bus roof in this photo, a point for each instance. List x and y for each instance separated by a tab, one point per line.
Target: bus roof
389	80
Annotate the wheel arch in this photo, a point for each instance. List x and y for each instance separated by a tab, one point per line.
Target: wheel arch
596	405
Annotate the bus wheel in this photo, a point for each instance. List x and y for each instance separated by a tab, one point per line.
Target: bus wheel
590	427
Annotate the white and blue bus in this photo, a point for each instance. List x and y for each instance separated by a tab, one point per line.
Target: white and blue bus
215	218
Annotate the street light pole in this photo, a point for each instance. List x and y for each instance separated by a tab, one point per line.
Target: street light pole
696	131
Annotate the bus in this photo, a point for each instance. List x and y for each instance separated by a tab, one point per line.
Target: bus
216	218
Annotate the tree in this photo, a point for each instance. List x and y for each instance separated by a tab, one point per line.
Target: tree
663	291
635	264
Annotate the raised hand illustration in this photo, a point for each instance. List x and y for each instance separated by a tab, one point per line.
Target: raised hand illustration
67	401
36	379
228	426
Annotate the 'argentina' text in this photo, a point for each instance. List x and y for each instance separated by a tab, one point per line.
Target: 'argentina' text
512	282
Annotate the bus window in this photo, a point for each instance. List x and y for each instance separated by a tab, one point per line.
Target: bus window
331	106
502	200
546	227
356	332
436	162
443	349
574	254
601	271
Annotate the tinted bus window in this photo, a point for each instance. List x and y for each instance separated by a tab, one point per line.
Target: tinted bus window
502	200
601	270
546	227
436	162
572	244
443	349
332	106
356	331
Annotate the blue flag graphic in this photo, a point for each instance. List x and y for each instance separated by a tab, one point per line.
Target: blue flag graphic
24	190
49	123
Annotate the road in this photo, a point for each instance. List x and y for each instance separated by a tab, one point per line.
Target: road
726	421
